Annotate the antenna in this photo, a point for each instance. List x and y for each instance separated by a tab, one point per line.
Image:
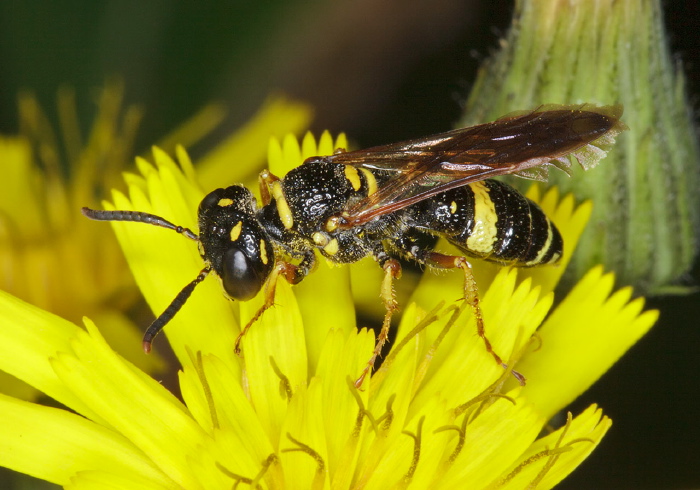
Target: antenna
152	219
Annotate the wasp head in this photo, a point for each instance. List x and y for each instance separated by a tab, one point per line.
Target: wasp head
233	242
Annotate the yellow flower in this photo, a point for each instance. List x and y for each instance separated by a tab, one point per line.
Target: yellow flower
52	256
439	413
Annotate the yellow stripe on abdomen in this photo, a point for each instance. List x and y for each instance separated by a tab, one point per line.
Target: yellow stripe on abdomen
485	231
545	248
353	177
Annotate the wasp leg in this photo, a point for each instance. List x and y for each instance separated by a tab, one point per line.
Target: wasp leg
410	246
293	274
265	180
471	295
392	270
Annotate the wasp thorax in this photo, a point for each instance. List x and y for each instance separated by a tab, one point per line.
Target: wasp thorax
233	242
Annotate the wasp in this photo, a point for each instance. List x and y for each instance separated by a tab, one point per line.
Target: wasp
383	201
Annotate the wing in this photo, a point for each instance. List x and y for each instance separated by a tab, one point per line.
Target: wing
521	144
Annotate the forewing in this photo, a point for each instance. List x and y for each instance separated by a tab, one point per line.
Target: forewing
521	144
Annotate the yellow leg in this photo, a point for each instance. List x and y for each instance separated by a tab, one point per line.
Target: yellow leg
392	270
292	274
471	296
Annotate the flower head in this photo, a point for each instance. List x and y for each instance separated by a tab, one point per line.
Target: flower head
438	413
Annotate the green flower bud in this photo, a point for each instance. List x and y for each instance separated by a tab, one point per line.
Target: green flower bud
646	193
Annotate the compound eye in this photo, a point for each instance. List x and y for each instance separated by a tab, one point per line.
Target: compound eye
243	276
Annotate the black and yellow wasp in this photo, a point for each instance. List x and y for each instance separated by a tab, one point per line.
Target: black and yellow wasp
383	201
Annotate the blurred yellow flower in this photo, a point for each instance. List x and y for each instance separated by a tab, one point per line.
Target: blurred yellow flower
50	256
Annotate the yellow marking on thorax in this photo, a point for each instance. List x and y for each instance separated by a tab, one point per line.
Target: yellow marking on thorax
263	252
332	224
453	207
485	231
354	177
371	181
332	247
236	231
320	239
545	247
282	206
225	202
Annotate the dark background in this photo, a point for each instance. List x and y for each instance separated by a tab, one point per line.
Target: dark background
381	70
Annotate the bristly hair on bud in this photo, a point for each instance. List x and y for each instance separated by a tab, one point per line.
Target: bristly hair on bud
646	218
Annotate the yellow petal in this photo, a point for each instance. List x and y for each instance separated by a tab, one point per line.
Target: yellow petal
552	458
412	454
342	358
511	313
305	467
584	336
326	303
492	441
120	333
274	354
132	403
55	445
215	398
105	480
233	160
30	338
16	388
391	393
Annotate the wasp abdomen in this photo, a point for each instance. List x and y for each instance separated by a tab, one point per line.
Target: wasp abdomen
491	220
